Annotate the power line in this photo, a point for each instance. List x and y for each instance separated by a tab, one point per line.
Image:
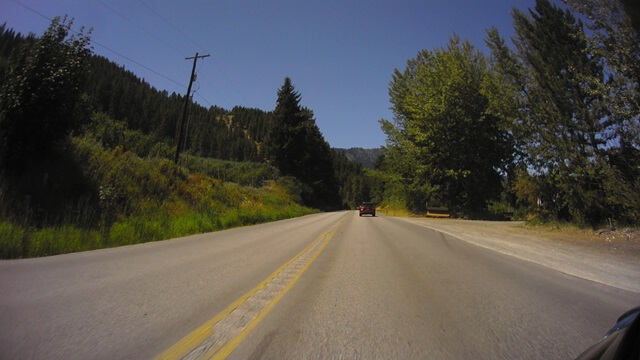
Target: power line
140	27
173	26
235	88
33	10
144	66
210	85
132	60
126	57
186	36
167	44
204	99
189	38
103	46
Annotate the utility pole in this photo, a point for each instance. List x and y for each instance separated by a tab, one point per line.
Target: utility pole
186	103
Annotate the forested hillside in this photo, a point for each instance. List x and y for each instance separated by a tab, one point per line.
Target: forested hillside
234	134
86	155
213	132
366	157
128	112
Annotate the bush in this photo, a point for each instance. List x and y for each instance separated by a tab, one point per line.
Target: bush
243	173
12	240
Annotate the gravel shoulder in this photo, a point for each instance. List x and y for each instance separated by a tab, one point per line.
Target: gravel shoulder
608	257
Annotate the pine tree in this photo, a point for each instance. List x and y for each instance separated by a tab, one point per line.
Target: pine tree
284	139
295	145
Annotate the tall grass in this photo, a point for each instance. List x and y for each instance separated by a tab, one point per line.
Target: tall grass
17	241
394	211
142	200
243	173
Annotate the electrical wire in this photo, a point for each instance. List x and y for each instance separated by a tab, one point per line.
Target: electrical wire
141	28
159	39
104	47
228	79
174	27
206	80
186	36
205	100
144	66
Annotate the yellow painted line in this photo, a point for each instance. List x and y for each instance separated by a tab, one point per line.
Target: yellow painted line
233	343
197	336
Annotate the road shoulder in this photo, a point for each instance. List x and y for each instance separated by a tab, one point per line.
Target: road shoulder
588	260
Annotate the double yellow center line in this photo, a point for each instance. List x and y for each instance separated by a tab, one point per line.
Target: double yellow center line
218	337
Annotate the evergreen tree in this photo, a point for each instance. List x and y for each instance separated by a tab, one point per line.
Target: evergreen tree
295	145
355	184
124	97
284	140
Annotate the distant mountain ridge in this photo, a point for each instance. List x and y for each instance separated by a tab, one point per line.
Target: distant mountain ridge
366	157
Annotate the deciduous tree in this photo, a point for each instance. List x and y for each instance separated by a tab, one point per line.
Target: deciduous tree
575	125
41	99
446	143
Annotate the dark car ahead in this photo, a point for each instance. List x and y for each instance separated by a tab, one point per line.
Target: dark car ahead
367	208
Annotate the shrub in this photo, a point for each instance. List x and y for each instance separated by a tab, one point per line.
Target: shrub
12	240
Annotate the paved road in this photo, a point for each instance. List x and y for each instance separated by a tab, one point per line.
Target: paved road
377	288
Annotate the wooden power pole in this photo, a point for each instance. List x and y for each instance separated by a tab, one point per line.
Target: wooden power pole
186	104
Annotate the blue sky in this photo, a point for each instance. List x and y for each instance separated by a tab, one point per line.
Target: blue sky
340	55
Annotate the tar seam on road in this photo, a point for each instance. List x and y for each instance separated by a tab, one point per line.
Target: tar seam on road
218	337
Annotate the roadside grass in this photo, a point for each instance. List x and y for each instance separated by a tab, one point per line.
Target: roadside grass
622	240
394	211
12	240
561	227
243	173
18	241
141	200
536	223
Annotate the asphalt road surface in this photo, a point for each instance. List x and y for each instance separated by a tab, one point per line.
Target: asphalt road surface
331	285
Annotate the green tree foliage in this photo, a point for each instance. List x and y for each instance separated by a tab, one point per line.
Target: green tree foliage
355	184
211	132
133	115
567	129
446	144
615	38
107	184
41	97
11	49
296	147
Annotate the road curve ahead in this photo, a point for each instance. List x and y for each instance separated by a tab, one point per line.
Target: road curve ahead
331	285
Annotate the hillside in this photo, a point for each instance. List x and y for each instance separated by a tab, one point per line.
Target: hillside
101	173
88	156
366	157
95	198
212	132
